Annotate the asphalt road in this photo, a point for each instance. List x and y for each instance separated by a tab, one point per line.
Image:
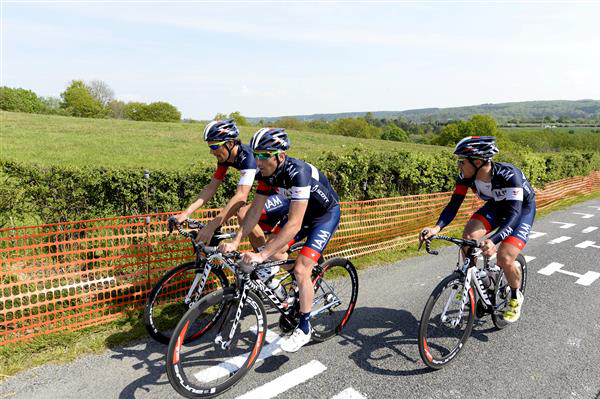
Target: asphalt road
552	352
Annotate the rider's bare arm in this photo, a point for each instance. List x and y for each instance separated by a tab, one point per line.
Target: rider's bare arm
206	194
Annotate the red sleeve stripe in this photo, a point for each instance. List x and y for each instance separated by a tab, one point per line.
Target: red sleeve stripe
461	190
220	172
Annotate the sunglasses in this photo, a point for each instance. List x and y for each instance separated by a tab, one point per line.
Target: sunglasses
215	146
460	161
264	155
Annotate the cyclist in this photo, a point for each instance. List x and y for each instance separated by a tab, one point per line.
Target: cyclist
510	207
224	143
314	212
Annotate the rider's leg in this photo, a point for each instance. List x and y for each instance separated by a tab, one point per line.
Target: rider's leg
475	229
303	270
507	254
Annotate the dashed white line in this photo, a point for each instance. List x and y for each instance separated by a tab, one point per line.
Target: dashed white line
587	244
564	225
528	258
584	215
583	279
559	240
589	229
286	381
536	234
349	393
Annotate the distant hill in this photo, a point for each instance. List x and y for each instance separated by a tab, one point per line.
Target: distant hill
527	111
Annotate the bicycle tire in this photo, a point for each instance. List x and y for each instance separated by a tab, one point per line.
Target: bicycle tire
185	362
502	293
433	353
159	326
338	279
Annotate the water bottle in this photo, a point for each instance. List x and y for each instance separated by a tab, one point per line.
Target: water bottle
485	278
275	285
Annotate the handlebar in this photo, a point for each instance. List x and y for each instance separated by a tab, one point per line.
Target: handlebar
458	241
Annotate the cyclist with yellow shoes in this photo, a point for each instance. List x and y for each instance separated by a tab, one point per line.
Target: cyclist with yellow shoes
509	208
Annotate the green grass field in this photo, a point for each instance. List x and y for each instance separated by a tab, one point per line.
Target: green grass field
49	139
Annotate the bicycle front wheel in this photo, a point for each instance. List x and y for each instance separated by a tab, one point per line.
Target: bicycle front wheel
446	322
501	294
336	291
205	367
166	303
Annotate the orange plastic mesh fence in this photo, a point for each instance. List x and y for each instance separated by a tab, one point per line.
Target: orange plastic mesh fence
68	276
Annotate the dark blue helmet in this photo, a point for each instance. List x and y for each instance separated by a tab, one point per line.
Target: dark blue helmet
221	131
479	147
270	139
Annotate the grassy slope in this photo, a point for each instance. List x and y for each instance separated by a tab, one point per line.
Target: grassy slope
48	139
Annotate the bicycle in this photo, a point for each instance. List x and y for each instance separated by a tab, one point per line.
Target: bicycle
209	365
443	331
173	294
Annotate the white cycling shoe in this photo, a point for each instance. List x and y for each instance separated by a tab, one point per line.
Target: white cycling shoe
296	341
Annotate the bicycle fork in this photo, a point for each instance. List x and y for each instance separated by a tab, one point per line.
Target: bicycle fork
188	300
219	338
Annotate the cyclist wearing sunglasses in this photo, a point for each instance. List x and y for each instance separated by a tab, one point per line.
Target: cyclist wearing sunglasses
314	212
509	207
224	144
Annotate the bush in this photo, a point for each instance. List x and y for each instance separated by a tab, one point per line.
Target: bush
154	112
54	194
394	133
20	100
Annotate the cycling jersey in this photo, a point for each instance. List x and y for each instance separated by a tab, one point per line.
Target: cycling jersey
297	180
510	202
244	162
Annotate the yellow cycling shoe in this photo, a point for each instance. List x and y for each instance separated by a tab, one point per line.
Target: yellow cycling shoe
513	310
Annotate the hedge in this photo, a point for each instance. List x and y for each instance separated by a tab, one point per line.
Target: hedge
30	193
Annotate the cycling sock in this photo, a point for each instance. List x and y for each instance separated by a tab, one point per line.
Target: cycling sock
304	324
513	293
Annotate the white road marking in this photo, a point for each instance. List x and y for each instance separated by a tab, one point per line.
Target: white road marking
223	369
587	244
536	234
584	215
528	258
589	229
583	279
594	206
286	381
576	342
559	240
564	225
349	393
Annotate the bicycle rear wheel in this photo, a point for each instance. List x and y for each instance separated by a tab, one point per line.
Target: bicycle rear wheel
444	328
200	367
502	293
165	305
336	292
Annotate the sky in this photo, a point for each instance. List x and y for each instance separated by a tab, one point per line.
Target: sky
274	58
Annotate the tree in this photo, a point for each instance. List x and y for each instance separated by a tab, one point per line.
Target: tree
134	110
288	122
101	92
394	133
78	101
161	112
484	125
220	117
117	109
239	119
20	100
355	128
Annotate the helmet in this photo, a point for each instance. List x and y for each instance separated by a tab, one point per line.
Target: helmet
270	139
221	131
480	147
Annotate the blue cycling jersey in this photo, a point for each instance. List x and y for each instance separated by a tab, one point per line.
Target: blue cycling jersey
509	189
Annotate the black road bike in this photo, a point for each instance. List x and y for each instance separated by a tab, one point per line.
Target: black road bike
181	287
206	365
467	293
